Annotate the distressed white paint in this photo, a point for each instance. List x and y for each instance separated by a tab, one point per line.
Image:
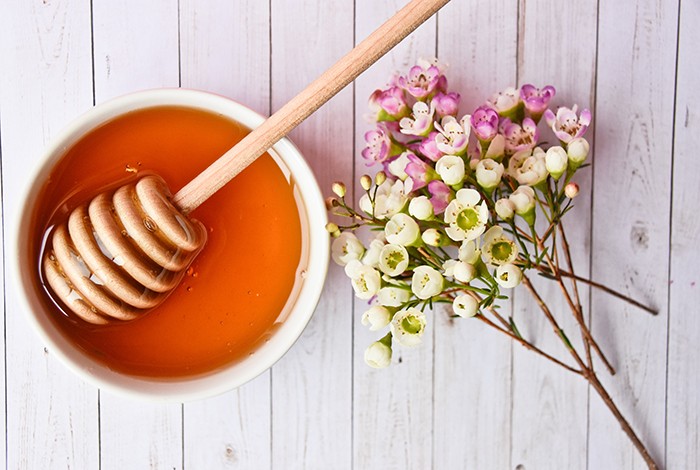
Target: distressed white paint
467	398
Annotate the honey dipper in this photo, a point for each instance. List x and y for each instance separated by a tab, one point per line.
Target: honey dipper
121	253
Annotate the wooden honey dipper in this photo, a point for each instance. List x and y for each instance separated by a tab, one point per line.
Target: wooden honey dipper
120	254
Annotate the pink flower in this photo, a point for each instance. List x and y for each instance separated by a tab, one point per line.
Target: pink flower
391	101
484	121
428	147
421	122
566	124
422	80
441	195
454	136
446	104
378	146
536	100
519	137
505	102
420	172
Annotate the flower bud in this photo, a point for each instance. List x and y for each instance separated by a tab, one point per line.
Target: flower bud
331	203
496	149
366	182
420	208
376	318
556	161
571	190
463	272
465	306
339	189
505	208
433	237
577	151
378	354
379	178
523	199
333	229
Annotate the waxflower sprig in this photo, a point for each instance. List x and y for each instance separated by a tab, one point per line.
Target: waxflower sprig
462	210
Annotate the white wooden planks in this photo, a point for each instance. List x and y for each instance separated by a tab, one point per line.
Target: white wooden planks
46	80
683	399
631	216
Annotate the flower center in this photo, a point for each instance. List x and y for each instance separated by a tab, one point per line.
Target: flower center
393	259
468	218
411	325
502	250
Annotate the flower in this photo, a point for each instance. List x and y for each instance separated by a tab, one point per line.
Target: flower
454	136
346	248
377	317
465	306
408	326
484	121
389	104
451	169
469	252
505	102
428	147
420	208
556	160
577	150
467	220
422	80
378	145
508	275
488	174
536	100
390	198
422	121
401	230
505	208
393	296
393	259
496	149
420	172
566	124
463	272
441	196
523	199
446	104
498	250
365	279
378	354
397	166
433	237
371	257
520	137
528	166
426	282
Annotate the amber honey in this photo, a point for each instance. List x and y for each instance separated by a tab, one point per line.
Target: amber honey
234	293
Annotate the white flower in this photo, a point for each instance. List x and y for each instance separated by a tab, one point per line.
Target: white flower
377	317
393	259
346	248
498	250
408	326
453	136
508	275
451	169
390	198
426	282
465	306
556	161
505	208
378	354
488	174
371	257
577	151
365	279
393	296
468	252
463	272
528	166
433	237
523	199
467	219
402	230
448	267
421	208
505	100
397	167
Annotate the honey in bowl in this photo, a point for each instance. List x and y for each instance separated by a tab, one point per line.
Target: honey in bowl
235	291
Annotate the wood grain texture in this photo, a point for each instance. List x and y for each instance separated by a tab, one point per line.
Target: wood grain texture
136	47
472	402
311	385
225	49
631	214
46	80
683	400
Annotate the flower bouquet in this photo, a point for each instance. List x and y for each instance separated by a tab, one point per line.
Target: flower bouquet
463	210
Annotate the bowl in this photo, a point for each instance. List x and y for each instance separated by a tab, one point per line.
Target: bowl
299	306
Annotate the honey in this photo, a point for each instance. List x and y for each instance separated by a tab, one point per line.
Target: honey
235	291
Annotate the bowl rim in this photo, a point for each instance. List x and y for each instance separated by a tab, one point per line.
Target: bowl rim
179	389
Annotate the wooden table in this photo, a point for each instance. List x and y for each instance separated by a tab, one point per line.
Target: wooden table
466	399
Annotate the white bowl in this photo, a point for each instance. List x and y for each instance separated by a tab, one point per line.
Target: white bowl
300	305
